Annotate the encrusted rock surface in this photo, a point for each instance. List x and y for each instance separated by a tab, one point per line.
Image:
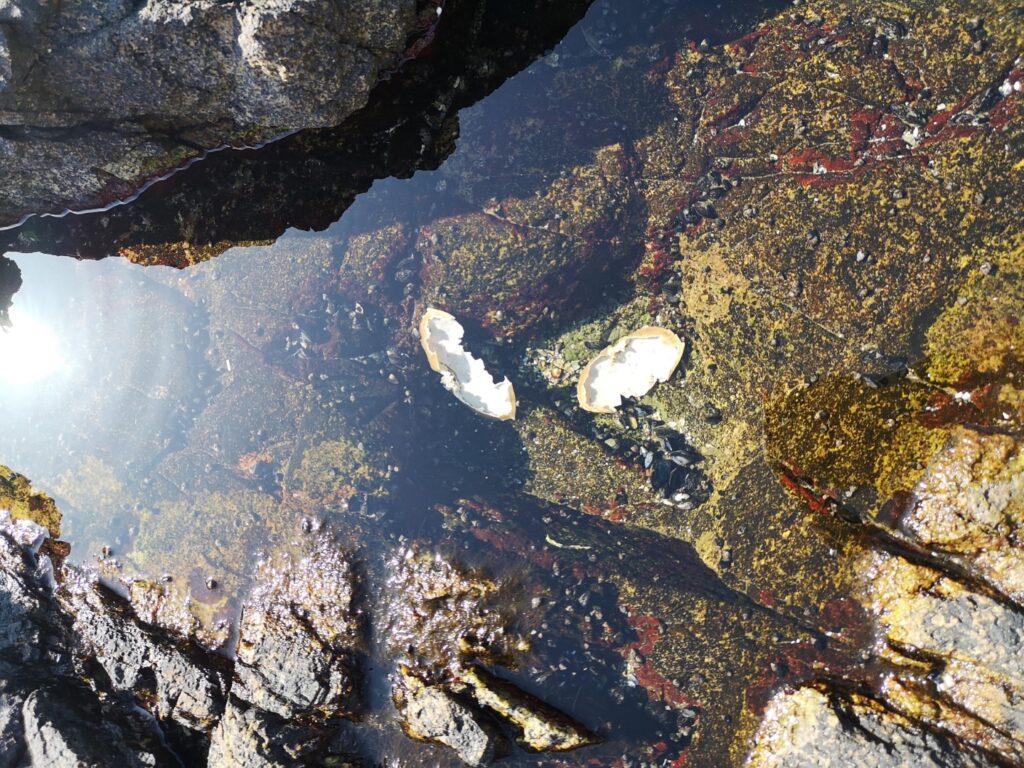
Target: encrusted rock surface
805	729
806	544
431	713
86	682
310	599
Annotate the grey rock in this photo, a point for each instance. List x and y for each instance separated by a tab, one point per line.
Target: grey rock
11	730
24	618
276	64
145	86
433	714
58	735
251	738
297	636
802	730
187	686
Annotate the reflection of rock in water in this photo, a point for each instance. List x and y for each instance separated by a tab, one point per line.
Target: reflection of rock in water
10	282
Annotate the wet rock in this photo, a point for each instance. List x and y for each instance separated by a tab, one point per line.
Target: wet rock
297	638
176	680
431	713
807	729
970	506
541	728
968	643
247	737
440	613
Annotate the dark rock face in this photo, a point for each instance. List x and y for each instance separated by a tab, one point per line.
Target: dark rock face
184	686
98	96
313	600
86	682
10	282
242	74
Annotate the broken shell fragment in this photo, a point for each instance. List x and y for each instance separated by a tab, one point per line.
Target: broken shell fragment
463	375
629	368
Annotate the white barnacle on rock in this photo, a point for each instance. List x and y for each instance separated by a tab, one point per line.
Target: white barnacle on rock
629	368
463	375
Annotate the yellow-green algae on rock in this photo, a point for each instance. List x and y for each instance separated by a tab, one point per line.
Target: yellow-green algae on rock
24	503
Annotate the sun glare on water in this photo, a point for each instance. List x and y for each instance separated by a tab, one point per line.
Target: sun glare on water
29	351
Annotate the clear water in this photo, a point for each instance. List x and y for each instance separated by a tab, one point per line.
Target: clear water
168	412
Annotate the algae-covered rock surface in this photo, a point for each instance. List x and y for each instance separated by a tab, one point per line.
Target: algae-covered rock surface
290	545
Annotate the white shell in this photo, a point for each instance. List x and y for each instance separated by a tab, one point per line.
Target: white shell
629	368
463	375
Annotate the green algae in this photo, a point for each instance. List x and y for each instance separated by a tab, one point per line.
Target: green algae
334	471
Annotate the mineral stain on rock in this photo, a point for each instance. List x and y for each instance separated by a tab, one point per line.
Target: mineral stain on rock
802	547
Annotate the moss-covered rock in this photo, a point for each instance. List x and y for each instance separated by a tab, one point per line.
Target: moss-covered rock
24	503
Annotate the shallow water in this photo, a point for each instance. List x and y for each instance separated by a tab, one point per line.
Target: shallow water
121	375
190	423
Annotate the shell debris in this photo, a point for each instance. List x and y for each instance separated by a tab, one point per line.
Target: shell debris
629	368
463	375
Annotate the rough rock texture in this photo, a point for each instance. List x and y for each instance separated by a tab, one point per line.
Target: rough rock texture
970	505
252	738
48	717
178	79
825	498
96	97
83	681
64	736
430	713
182	684
804	729
298	636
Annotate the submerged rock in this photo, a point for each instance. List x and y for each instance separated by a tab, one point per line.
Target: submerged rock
541	728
